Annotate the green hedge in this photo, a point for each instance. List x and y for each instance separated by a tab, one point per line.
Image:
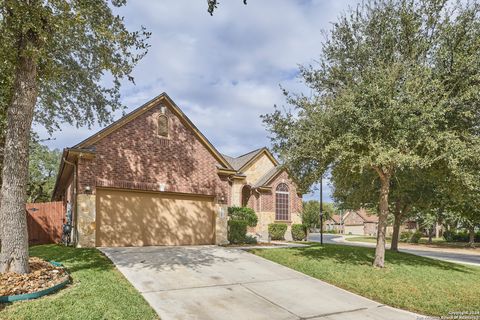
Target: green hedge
243	213
415	238
237	231
459	236
277	231
298	232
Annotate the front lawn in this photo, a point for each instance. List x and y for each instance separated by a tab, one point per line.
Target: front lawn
98	291
410	282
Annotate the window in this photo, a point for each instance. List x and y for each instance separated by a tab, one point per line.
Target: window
246	193
162	126
281	202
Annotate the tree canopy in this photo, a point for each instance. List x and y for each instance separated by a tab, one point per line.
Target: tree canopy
395	88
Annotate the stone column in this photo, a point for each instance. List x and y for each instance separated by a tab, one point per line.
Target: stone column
221	224
86	216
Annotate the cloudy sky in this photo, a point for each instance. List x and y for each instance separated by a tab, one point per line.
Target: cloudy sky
223	71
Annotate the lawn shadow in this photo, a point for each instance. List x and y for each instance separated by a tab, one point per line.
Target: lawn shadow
364	256
74	259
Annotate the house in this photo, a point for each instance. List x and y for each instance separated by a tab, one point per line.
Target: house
334	223
360	222
353	222
152	178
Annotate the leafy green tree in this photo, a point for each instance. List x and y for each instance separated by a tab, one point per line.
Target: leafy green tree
58	58
388	94
42	171
311	213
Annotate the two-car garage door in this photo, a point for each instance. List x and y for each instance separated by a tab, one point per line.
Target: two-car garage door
129	218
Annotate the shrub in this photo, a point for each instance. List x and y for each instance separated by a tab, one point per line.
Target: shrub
277	231
415	237
448	235
405	236
250	239
244	214
298	232
237	231
333	231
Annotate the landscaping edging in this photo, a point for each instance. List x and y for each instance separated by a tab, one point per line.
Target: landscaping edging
38	294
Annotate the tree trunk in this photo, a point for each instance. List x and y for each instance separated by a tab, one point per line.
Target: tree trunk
396	231
382	219
13	220
471	240
430	235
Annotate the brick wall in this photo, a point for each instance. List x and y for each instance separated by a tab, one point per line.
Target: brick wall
353	219
268	199
134	156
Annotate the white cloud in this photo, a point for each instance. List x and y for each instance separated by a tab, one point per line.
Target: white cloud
223	71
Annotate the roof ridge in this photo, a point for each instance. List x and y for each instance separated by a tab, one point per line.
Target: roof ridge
256	151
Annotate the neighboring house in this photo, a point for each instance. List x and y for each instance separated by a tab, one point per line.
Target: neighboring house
152	178
360	222
334	223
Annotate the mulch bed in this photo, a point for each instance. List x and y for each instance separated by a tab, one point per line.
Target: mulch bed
42	276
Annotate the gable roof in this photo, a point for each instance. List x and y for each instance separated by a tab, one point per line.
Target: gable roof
335	218
362	213
269	176
168	102
240	162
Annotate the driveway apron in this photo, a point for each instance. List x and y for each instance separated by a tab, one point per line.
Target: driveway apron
210	282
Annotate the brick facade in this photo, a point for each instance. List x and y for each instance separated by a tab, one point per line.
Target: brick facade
268	199
136	157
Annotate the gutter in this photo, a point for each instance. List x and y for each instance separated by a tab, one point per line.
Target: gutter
74	201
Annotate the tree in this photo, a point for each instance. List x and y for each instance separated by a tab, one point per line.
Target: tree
57	57
311	213
42	171
213	4
387	97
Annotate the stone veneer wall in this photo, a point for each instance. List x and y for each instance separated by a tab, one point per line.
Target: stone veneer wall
86	215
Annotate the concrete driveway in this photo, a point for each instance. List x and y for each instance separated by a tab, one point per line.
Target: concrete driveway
210	282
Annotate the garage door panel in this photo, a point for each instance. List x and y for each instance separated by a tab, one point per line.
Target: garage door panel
354	230
127	218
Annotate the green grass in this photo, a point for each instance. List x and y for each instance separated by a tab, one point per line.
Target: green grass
98	290
410	282
436	242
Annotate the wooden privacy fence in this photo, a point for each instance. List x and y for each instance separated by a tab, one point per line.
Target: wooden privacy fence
44	222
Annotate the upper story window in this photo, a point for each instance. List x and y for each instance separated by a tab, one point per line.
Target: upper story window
162	124
282	202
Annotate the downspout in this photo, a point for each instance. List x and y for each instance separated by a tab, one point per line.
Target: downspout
74	200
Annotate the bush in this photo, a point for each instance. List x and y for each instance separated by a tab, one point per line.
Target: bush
244	214
415	237
237	231
405	236
333	231
459	236
298	232
277	231
448	235
250	239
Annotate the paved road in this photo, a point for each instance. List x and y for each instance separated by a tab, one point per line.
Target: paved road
210	282
462	258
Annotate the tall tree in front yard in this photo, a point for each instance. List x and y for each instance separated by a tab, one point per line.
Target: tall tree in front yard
382	100
58	58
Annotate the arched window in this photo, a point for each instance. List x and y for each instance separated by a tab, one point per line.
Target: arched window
246	193
281	202
162	129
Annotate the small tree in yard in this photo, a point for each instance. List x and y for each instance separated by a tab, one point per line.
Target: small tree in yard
390	93
311	213
56	58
